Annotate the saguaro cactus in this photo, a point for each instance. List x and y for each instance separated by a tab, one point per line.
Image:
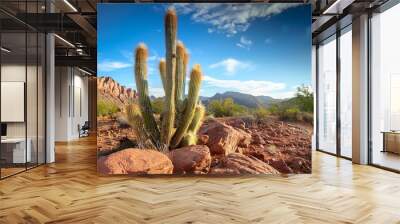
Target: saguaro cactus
143	91
179	75
163	72
173	75
191	136
194	90
167	124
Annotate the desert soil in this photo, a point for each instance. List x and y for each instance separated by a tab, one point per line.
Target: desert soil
285	146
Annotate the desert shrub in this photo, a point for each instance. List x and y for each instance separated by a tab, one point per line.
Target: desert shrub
274	109
290	114
226	108
157	105
261	113
106	108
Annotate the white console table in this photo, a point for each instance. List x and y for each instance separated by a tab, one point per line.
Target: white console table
18	149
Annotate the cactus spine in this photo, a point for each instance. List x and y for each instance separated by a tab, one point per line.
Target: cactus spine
168	115
199	113
179	77
191	137
161	67
134	118
143	91
185	64
183	112
193	96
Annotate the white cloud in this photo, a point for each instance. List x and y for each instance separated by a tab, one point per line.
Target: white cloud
230	18
127	54
230	65
154	57
244	43
268	40
157	92
253	87
107	66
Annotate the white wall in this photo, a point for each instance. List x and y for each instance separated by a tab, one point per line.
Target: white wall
71	87
33	126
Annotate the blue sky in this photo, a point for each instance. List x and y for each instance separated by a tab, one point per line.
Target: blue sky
259	49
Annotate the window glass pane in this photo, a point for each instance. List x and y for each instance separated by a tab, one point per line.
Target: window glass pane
31	97
41	98
13	86
385	84
327	95
346	93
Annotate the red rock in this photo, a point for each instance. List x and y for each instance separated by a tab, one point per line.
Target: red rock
111	90
236	163
135	161
202	139
224	139
191	159
257	139
298	164
279	165
236	123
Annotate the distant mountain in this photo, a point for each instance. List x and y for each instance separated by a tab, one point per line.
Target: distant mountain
242	99
110	90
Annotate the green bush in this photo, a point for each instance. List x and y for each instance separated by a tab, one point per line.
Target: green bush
304	99
261	113
290	114
106	108
226	108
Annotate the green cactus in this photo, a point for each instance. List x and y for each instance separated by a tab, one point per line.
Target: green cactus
161	67
143	90
179	79
134	118
192	99
168	115
185	64
199	113
191	136
185	113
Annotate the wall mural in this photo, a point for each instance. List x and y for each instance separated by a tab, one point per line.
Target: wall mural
216	89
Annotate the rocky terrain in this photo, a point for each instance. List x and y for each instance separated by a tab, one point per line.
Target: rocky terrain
110	90
226	146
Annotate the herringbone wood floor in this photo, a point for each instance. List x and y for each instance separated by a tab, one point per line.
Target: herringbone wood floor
70	191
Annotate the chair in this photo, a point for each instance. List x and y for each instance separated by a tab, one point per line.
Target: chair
84	130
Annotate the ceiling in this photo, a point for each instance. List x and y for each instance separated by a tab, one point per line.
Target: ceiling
75	22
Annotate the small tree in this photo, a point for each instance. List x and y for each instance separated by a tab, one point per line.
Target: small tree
226	108
304	99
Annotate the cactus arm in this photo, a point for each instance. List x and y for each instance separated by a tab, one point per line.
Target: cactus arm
179	75
143	92
169	104
185	65
197	118
191	137
134	118
193	96
161	68
179	82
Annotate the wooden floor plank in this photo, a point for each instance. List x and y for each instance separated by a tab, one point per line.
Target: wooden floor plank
71	191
